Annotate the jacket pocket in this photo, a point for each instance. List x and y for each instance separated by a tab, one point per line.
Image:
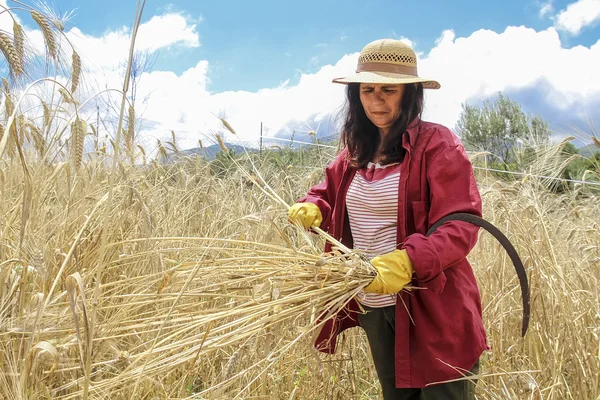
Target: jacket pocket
420	217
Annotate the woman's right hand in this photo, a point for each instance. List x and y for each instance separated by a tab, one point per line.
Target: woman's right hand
305	214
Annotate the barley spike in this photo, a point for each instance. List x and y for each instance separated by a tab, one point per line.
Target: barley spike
78	128
44	26
130	128
10	53
221	143
76	71
19	40
46	113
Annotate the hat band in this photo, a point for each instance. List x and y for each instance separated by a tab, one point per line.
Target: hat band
385	67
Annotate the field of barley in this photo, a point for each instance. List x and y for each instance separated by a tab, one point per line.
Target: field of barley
123	276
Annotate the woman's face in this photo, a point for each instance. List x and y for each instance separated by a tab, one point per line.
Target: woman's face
381	104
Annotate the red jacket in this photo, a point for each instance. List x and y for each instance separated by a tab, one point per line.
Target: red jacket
445	327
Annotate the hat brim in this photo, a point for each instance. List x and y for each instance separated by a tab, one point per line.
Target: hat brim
387	78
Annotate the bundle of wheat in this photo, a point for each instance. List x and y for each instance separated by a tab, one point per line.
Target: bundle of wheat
218	293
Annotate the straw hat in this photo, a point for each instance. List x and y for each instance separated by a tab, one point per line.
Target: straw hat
387	61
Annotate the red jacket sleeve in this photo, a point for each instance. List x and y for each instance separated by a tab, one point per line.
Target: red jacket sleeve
323	194
452	189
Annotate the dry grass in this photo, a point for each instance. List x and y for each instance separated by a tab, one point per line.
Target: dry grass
206	285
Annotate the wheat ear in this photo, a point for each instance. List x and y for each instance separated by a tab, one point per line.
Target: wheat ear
76	71
162	151
46	113
77	135
9	107
143	153
19	40
227	125
66	96
47	32
10	53
221	144
38	140
130	131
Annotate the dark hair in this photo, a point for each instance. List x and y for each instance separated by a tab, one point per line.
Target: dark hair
361	137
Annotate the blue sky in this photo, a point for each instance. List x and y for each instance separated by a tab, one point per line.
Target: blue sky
253	45
272	62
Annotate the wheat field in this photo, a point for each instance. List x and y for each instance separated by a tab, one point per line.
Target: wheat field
122	276
185	255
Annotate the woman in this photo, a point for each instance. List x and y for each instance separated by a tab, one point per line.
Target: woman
396	176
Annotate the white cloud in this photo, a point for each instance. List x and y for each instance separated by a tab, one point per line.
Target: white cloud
181	103
160	32
110	50
578	15
166	30
546	8
470	67
5	19
487	62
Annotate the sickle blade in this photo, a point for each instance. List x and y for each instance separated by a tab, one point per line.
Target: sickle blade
510	249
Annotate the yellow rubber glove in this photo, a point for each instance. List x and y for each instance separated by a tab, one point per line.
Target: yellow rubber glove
394	271
307	214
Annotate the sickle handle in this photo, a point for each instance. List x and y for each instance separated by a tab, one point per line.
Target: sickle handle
510	249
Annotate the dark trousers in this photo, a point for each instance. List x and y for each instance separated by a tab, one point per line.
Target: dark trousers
379	325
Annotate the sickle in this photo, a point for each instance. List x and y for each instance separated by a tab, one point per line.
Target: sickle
512	253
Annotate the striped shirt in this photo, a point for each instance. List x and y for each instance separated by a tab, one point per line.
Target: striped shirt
372	204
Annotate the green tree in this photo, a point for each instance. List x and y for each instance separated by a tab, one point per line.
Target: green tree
570	149
500	127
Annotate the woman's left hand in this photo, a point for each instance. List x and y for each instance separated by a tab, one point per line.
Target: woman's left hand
394	271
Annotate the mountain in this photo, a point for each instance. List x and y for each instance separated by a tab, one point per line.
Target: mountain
209	152
589	150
